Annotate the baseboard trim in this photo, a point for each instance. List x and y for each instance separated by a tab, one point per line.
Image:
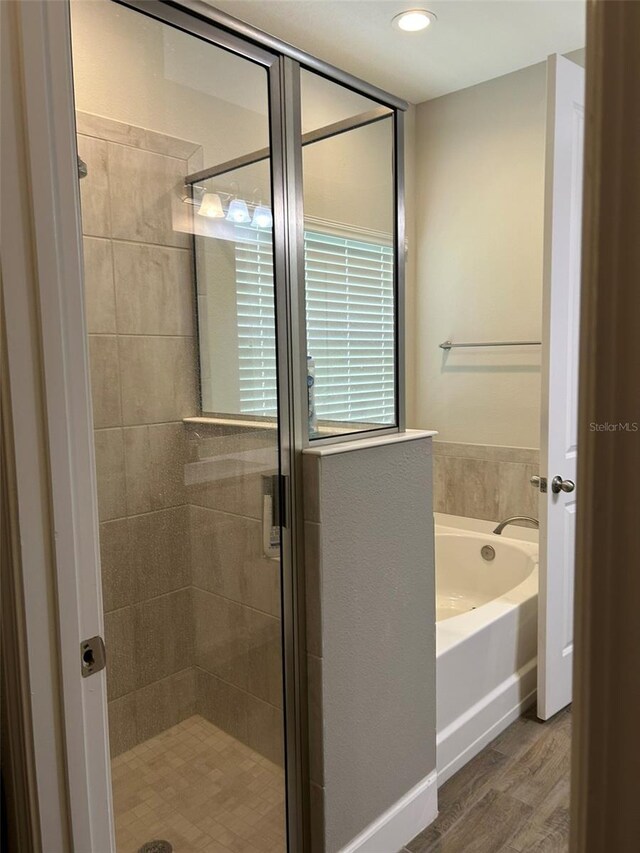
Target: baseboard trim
463	739
400	823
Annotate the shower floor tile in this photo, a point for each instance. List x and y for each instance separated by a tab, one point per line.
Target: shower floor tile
200	789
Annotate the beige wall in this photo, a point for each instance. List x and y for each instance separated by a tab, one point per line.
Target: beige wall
478	247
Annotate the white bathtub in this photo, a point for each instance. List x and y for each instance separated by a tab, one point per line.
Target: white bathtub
486	634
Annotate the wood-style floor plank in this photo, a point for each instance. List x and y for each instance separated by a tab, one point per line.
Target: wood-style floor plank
511	798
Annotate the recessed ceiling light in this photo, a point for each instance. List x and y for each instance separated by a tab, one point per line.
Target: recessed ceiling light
413	20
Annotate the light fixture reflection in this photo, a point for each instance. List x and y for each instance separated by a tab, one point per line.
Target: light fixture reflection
238	211
262	217
211	206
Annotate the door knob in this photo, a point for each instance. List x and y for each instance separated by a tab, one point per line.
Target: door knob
559	485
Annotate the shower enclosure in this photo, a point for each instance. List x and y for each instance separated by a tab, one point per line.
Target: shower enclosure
242	229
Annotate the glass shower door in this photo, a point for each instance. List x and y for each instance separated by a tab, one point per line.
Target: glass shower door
174	141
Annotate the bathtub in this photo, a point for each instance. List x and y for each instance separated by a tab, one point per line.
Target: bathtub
486	634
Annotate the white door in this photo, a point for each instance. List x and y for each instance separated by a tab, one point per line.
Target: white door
559	422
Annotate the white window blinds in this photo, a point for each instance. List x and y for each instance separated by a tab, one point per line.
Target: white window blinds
350	326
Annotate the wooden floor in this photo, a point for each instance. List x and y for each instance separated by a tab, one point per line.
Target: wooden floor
512	798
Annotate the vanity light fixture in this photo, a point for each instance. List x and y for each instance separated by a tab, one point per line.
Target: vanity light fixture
211	206
414	20
238	211
262	217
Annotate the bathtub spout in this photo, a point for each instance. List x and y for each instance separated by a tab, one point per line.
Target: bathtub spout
532	521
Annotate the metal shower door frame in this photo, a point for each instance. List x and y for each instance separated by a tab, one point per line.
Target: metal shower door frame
51	154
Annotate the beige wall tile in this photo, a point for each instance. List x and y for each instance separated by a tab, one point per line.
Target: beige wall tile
110	473
94	189
485	488
487	452
516	494
157	375
313	587
154	289
164	636
160	551
316	745
122	651
99	294
119	582
144	190
105	380
264	657
136	137
265	729
221	637
164	703
222	704
226	470
122	724
155	458
144	556
227	559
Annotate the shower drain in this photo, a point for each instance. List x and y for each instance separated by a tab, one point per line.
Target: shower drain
156	847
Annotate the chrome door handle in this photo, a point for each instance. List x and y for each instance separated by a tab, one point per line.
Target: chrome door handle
559	485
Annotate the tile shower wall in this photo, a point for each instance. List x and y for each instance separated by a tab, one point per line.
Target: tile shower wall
484	481
192	607
141	347
235	587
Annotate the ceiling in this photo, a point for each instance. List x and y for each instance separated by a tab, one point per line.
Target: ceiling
472	41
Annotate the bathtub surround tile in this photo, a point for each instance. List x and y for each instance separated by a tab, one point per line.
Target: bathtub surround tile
157	375
99	294
105	384
94	188
109	449
516	495
154	289
155	458
144	189
487	452
483	481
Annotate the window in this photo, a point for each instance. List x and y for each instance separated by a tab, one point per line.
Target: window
350	324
